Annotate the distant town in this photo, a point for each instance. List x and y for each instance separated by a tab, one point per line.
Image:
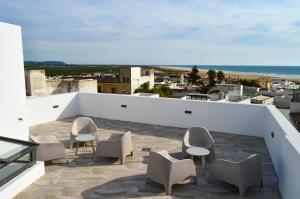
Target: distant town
49	78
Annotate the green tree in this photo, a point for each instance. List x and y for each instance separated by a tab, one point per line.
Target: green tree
193	75
211	77
162	91
220	76
144	88
245	82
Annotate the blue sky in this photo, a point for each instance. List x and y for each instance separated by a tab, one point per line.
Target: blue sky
256	32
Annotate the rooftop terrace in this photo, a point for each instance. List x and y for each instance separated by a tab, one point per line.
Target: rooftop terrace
82	177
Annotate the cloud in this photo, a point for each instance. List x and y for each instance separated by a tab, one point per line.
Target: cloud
158	31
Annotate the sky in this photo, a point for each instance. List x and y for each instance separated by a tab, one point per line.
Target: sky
214	32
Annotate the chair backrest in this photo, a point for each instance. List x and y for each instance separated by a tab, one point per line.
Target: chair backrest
83	125
199	136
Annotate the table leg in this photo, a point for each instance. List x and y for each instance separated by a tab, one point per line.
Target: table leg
93	147
77	148
203	164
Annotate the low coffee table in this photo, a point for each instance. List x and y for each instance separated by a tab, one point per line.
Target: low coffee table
85	138
200	152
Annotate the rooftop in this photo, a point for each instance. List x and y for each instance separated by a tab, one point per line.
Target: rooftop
82	177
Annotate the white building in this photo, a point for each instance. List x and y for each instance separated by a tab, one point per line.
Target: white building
13	105
265	121
280	86
230	89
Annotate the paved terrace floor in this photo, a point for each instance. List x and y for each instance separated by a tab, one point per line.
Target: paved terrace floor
82	177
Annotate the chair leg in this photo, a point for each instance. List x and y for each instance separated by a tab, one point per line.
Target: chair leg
71	144
261	183
146	180
168	189
77	148
242	191
122	160
195	180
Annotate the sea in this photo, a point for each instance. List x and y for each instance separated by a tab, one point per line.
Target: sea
274	71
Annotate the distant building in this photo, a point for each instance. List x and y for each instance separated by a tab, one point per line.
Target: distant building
282	85
250	90
265	82
230	89
38	85
262	100
129	79
182	79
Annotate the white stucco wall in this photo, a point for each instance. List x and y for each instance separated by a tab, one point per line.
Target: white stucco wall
135	74
12	84
13	109
50	108
223	117
284	149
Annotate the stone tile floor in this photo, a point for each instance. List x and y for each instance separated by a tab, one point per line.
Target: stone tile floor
81	177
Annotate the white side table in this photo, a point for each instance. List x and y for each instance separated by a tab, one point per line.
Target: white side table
85	138
200	152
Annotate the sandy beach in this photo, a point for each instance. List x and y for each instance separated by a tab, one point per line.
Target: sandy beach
231	75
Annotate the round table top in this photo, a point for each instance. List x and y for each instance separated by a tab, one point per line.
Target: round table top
197	151
85	137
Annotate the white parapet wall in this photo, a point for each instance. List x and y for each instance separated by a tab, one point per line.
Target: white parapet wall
49	108
221	117
283	142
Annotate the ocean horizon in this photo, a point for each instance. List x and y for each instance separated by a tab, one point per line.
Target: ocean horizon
276	71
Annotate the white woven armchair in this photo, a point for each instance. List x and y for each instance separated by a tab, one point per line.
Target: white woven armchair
49	148
199	137
120	147
244	172
82	125
166	170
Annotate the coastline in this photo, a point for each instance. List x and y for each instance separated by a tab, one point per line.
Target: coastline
235	75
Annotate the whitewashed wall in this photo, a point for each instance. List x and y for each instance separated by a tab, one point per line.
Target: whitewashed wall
53	107
222	117
13	109
284	149
13	115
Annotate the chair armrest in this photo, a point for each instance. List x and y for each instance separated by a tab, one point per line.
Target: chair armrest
186	140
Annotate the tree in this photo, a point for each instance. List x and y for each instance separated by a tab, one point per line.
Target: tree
245	82
211	77
220	76
162	91
144	88
193	75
